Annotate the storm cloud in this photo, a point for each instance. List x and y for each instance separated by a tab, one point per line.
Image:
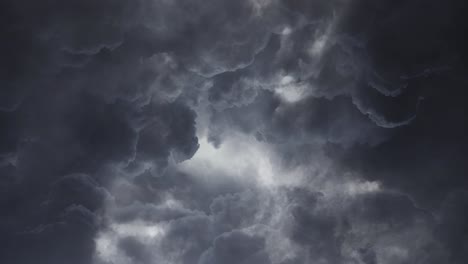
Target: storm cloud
253	131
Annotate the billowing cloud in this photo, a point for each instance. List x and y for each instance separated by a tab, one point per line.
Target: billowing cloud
253	131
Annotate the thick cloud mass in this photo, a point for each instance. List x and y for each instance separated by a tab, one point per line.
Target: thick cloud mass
237	132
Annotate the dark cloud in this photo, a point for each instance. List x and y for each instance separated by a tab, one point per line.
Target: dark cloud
236	247
57	229
135	250
452	229
73	93
256	131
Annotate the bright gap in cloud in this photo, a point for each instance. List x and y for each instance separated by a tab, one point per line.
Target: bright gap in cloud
290	91
239	157
107	247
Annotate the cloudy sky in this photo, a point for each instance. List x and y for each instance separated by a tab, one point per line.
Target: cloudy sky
233	132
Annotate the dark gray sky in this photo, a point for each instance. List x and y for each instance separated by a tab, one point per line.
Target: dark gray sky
233	132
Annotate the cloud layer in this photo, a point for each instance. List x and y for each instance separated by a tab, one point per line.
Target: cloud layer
253	131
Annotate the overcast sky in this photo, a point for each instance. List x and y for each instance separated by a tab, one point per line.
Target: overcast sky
233	132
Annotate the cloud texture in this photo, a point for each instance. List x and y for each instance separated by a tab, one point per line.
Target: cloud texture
238	132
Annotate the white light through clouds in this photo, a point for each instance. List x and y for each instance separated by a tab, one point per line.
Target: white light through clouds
239	157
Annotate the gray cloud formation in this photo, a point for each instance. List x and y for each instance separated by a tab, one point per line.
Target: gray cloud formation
256	131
